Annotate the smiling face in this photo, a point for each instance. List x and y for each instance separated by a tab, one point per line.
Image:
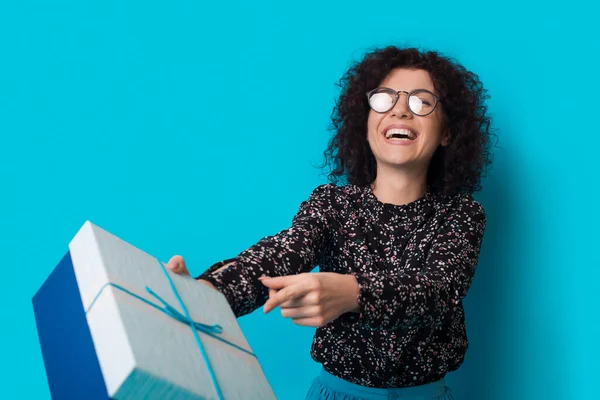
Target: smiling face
399	138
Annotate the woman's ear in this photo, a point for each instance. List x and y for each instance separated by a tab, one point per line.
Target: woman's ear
446	136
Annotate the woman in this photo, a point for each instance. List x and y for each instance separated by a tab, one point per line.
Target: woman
397	245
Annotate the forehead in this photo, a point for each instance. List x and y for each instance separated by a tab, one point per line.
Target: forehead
408	79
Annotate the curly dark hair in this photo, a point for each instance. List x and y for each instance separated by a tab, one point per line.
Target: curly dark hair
456	168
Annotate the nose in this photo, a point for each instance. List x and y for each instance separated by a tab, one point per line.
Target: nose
401	109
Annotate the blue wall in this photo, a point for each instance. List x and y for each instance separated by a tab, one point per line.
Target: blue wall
193	129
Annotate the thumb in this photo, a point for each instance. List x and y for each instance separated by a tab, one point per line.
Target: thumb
177	265
280	282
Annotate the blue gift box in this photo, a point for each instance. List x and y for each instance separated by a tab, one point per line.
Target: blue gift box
114	323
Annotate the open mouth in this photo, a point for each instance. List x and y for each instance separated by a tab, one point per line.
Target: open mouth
400	134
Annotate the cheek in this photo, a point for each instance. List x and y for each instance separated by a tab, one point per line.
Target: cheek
373	123
437	124
433	127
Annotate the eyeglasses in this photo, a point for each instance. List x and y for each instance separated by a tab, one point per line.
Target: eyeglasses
420	102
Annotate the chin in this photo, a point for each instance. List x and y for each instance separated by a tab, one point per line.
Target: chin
395	163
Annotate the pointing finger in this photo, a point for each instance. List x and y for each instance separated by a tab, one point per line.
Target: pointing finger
279	282
286	294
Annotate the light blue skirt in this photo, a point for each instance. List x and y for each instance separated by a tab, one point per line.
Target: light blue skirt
329	387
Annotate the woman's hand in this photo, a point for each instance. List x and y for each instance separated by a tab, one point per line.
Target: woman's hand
312	299
177	265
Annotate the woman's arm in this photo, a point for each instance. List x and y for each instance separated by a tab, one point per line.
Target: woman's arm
289	252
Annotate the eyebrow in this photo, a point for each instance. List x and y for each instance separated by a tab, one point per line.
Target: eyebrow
408	91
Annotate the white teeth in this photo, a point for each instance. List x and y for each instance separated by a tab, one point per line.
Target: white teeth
409	135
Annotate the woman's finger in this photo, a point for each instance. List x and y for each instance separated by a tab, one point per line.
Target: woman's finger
280	282
314	322
309	299
177	265
300	312
288	293
300	302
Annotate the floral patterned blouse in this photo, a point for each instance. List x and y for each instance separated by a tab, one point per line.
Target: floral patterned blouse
414	264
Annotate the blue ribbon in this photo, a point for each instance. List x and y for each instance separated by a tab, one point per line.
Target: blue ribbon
211	330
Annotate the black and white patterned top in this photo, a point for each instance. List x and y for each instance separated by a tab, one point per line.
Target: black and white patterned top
414	264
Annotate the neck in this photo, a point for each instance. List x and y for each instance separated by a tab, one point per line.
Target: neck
399	186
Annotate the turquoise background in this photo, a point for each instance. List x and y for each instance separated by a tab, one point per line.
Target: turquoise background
194	128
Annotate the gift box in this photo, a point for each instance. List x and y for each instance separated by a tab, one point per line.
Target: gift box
114	323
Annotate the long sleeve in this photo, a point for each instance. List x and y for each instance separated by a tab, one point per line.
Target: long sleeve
291	251
430	295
